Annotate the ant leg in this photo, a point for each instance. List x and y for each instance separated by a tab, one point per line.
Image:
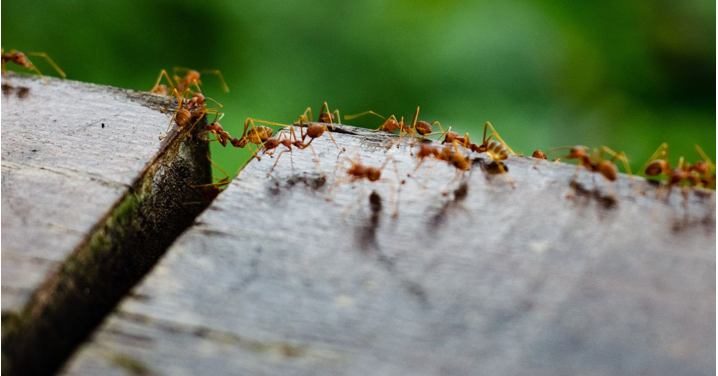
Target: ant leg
163	73
332	137
337	116
219	76
316	160
46	57
34	68
304	116
662	151
704	156
325	106
277	161
174	115
362	194
496	134
624	160
350	117
218	104
459	174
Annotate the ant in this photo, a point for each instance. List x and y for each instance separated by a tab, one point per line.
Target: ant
697	174
449	154
189	109
21	59
325	116
538	154
497	151
596	163
391	124
282	139
257	135
182	84
360	172
220	134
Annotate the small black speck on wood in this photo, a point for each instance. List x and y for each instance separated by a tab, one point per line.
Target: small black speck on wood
487	279
87	210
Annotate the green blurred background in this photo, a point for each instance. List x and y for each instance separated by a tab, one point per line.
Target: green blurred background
546	73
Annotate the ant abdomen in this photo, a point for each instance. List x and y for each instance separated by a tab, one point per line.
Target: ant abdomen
655	168
608	170
423	128
497	150
315	131
183	117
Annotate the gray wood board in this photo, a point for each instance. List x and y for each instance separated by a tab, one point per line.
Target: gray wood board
82	164
62	170
489	279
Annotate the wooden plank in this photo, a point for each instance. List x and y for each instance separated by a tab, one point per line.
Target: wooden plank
86	185
489	279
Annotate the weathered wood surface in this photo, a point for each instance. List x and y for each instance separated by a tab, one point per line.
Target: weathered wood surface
272	279
86	185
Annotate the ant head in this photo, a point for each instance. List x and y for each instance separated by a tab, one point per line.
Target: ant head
193	76
390	125
655	167
272	143
576	152
21	59
539	154
608	170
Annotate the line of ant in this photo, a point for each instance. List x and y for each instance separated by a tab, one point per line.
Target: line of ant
184	86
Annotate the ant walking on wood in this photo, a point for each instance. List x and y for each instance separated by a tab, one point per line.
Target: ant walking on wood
497	151
325	115
21	59
391	124
701	173
596	163
360	172
189	109
182	84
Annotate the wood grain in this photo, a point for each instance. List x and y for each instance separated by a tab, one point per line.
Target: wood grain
487	279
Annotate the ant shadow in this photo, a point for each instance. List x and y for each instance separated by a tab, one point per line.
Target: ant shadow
366	239
437	220
21	92
606	202
314	183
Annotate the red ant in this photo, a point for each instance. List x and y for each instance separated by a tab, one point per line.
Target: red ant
391	124
257	135
596	164
497	151
182	84
325	116
21	59
360	172
697	174
189	109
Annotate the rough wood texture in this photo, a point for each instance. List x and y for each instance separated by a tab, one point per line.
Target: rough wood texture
90	200
272	279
